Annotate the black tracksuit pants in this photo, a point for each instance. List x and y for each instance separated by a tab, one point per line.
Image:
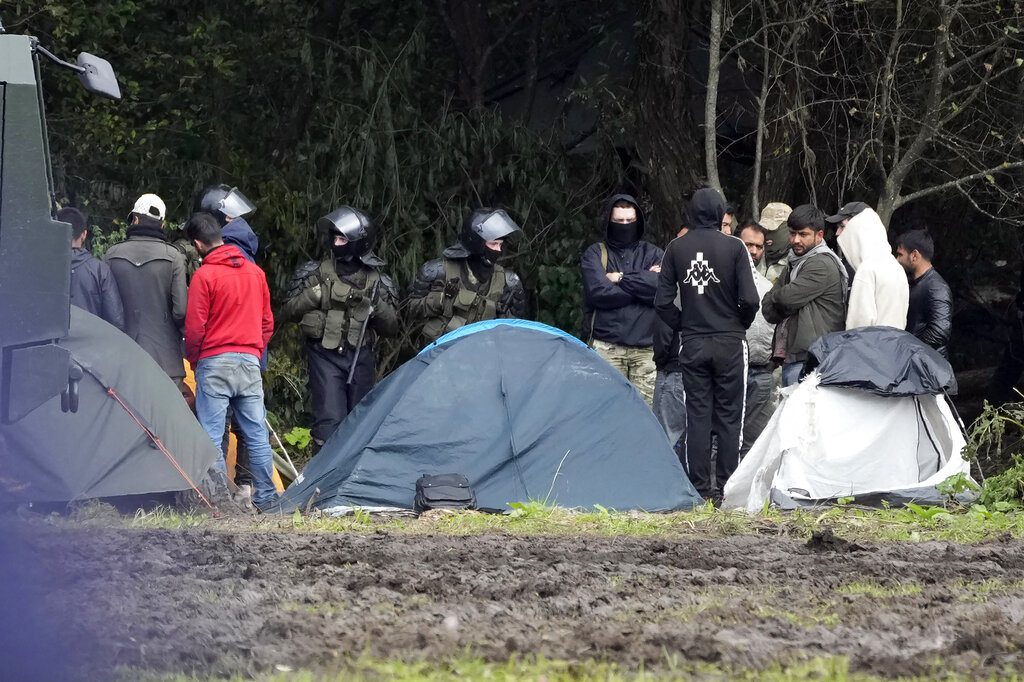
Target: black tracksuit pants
333	398
714	372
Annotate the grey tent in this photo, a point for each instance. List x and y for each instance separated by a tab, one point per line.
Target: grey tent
881	360
107	448
524	411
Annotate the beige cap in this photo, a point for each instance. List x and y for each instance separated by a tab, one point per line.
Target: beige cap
150	205
773	215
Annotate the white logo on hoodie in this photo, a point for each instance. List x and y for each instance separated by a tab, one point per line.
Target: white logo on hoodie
700	274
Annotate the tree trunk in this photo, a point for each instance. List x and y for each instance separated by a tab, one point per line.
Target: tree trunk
468	23
711	96
665	133
777	163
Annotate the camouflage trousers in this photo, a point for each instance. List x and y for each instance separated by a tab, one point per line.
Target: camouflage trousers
636	364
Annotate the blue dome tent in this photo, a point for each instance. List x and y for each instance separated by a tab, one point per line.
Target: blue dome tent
525	411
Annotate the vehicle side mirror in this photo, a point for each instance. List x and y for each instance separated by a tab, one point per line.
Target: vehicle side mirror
98	76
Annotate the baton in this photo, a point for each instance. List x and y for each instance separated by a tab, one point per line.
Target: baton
362	332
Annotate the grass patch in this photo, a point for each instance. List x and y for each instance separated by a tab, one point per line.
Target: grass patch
365	669
315	609
818	616
877	590
972	525
983	590
168	519
912	524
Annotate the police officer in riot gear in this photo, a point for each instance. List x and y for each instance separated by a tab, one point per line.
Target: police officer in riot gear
467	285
230	207
224	202
339	302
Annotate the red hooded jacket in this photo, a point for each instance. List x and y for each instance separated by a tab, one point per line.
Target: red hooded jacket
228	307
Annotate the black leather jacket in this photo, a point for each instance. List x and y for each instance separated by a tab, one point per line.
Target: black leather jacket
930	316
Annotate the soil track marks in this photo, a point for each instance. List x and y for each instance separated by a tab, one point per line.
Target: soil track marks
209	601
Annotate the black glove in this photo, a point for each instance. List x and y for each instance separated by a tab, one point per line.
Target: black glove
451	288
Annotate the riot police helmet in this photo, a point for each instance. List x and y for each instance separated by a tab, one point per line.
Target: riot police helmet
360	231
223	201
484	225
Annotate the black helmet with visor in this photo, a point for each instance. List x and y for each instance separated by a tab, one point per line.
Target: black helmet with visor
360	231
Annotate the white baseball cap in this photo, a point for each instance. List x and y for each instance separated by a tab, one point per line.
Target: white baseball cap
774	215
150	205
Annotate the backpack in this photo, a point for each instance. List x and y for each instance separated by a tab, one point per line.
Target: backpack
593	315
443	491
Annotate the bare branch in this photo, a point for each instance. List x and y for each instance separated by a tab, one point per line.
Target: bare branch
958	183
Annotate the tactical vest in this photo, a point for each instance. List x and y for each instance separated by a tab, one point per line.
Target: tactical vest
467	306
343	309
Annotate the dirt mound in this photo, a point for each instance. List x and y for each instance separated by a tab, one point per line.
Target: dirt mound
241	603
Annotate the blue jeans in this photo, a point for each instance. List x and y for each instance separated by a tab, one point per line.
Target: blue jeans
670	407
234	379
791	373
760	405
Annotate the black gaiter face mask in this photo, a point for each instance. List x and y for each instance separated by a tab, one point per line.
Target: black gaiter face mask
491	256
623	234
346	252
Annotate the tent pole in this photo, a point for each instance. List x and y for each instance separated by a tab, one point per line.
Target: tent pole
294	472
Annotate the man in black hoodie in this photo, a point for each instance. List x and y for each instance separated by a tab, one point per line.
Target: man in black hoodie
620	276
669	392
712	274
92	284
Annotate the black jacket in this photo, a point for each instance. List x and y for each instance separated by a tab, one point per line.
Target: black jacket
93	288
930	316
621	313
666	348
711	273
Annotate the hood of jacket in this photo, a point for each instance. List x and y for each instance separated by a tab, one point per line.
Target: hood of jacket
864	238
239	233
79	256
226	255
707	208
606	215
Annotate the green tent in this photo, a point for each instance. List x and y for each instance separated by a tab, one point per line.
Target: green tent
133	433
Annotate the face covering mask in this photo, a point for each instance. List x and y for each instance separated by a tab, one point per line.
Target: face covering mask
623	233
345	252
491	256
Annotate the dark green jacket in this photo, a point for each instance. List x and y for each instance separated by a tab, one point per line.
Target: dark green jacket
336	320
814	304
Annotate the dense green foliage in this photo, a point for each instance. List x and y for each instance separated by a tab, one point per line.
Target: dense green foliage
255	94
418	111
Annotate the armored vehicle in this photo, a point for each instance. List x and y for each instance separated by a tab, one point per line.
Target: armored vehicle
34	248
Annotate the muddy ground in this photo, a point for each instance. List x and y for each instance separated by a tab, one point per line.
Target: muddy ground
81	602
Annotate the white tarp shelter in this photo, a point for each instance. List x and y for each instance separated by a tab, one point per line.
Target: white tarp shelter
870	421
